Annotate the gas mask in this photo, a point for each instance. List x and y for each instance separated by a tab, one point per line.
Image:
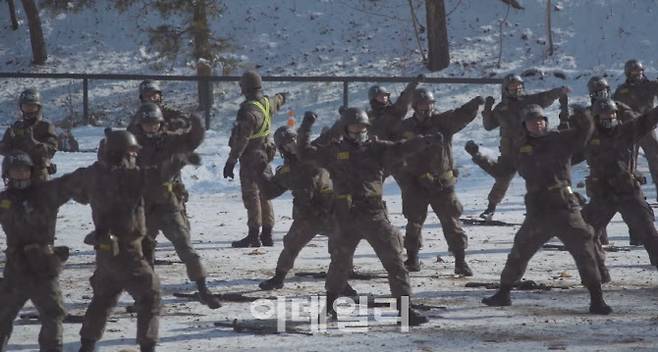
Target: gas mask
19	184
359	137
608	122
514	89
602	94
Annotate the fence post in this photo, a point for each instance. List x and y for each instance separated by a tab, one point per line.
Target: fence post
85	101
346	94
205	89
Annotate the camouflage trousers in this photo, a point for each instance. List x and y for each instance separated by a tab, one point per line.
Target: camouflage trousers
301	232
259	208
446	206
374	227
538	228
176	228
15	289
127	271
636	213
649	145
502	170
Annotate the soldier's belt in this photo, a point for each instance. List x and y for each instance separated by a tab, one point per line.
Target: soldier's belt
557	186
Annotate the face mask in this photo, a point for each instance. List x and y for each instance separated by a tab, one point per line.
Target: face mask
152	134
358	137
31	116
603	94
608	123
20	184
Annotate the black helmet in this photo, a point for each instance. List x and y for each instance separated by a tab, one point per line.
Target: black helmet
422	95
284	135
376	90
29	96
509	79
149	113
120	142
597	84
250	80
632	64
604	106
532	112
148	86
16	158
355	116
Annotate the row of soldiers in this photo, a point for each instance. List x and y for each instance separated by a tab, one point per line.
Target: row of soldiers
135	191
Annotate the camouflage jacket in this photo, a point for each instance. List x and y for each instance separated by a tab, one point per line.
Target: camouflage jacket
386	120
38	140
639	96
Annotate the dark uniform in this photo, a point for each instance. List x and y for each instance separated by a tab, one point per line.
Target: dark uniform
28	216
612	184
114	187
429	178
386	118
507	116
552	209
640	95
251	144
34	136
162	156
357	169
313	198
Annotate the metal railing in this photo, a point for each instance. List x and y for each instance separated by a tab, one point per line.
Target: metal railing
345	80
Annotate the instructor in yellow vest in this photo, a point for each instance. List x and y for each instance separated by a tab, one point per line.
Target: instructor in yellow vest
251	144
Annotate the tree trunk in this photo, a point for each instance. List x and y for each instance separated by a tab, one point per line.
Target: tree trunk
200	31
437	35
549	27
39	54
12	14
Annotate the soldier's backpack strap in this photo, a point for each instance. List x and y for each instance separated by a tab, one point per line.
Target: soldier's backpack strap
264	129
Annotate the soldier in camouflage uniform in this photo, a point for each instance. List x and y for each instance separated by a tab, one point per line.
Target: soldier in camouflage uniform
33	135
313	198
251	144
28	212
357	165
429	178
507	116
150	92
544	161
114	187
612	184
385	116
162	156
640	93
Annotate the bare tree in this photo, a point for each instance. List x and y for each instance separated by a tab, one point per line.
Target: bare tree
437	35
12	14
39	53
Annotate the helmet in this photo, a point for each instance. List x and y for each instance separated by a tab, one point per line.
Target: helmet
604	106
16	158
29	96
532	112
507	81
631	65
148	86
284	135
596	85
355	116
149	113
376	90
251	80
120	142
422	95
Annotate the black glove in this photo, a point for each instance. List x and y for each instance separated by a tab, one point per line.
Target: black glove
195	159
472	147
285	96
228	169
309	118
489	103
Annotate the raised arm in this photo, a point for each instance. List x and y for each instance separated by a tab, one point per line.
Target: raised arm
392	152
453	121
318	153
275	185
545	99
637	128
491	118
403	103
576	138
189	141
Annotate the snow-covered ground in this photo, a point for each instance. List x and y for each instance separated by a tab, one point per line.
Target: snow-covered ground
361	37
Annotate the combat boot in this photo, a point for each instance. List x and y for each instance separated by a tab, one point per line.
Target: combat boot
412	263
499	299
147	347
488	213
415	318
250	241
331	312
273	283
205	296
266	236
87	345
461	267
597	305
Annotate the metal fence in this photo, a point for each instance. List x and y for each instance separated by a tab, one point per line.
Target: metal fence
345	80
